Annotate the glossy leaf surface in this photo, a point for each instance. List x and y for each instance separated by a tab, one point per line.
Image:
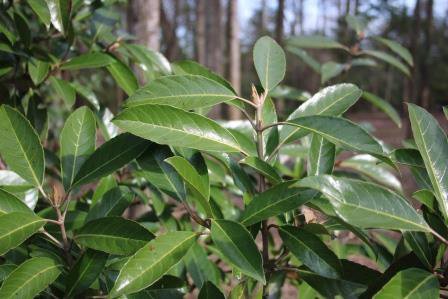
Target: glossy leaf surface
269	61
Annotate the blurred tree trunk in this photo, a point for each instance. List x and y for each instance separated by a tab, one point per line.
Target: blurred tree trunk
169	29
279	32
200	48
263	17
233	54
144	22
214	36
424	94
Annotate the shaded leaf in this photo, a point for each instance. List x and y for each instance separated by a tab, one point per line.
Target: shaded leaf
321	156
124	76
330	70
236	244
38	70
311	251
384	106
388	59
274	201
85	272
64	90
110	157
112	203
88	61
210	291
314	42
397	48
40	8
114	235
262	167
152	261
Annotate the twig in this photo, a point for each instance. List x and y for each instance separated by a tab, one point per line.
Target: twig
49	236
196	218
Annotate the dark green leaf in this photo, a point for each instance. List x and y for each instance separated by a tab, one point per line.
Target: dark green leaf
60	14
236	244
88	61
269	61
174	126
197	182
10	203
421	247
20	147
110	157
112	203
159	173
30	278
38	70
262	167
412	283
77	143
276	200
124	76
408	156
114	235
200	267
64	90
210	291
41	10
182	91
383	106
311	251
152	261
432	143
85	272
367	205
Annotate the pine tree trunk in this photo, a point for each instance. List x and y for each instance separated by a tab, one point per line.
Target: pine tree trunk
144	22
233	54
200	48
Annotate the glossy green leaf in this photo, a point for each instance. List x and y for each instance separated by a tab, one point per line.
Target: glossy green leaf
269	61
314	42
331	69
88	61
321	156
159	173
198	182
87	94
10	203
412	283
333	100
432	143
114	235
124	76
152	261
109	157
383	106
190	67
397	48
112	203
182	91
263	168
38	70
279	199
40	8
64	90
20	147
5	270
16	227
30	278
372	167
339	131
173	126
85	272
388	59
210	291
366	205
236	244
60	14
77	143
149	59
311	251
104	185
